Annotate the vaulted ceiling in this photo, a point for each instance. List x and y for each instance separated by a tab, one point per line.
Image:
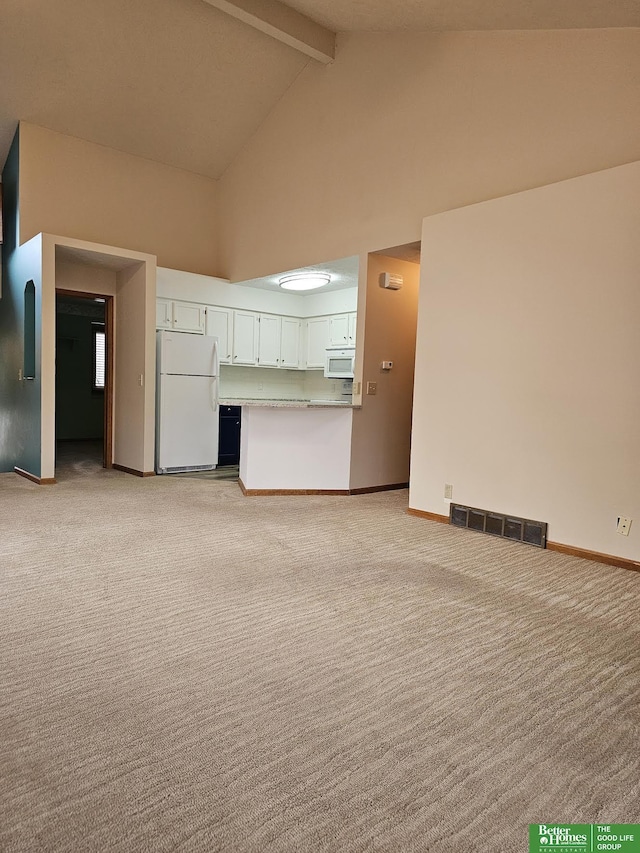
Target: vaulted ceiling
382	15
184	83
175	81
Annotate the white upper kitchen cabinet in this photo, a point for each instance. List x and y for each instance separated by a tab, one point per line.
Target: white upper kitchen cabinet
269	340
352	329
164	314
219	323
317	341
339	330
245	337
188	317
290	342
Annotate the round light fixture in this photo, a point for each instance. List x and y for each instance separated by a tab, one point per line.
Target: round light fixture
304	280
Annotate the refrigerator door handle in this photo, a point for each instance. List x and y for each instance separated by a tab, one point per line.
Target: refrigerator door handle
216	375
215	395
216	358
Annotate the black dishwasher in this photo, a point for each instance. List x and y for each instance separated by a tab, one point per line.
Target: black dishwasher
229	441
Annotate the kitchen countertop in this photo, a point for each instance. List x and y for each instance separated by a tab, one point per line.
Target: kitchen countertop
287	404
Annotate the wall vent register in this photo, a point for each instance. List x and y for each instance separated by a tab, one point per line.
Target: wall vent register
506	526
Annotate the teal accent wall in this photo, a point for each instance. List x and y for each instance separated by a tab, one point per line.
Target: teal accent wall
20	401
79	409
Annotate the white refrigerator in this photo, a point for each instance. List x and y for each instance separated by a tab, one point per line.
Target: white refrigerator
188	372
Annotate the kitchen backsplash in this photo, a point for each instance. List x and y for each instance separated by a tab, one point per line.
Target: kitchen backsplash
263	383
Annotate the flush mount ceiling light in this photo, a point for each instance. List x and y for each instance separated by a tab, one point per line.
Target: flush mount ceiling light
304	280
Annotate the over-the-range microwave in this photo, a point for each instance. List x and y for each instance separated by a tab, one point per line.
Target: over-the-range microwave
338	363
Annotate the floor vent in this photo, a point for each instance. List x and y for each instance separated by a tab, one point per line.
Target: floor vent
506	526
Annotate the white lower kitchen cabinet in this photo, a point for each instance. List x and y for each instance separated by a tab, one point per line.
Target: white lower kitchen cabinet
219	323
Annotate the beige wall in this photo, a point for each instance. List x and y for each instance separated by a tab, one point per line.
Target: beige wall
85	191
401	126
526	392
381	434
71	275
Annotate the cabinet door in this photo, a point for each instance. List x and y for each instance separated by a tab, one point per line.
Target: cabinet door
317	340
290	342
164	314
245	337
269	340
188	317
352	329
219	323
339	330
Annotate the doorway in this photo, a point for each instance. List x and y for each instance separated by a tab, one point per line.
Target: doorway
388	304
84	380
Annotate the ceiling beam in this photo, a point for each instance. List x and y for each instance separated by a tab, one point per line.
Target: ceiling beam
283	23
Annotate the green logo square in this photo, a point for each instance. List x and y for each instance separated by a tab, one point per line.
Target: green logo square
616	837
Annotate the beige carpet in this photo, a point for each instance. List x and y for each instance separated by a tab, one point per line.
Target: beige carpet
186	669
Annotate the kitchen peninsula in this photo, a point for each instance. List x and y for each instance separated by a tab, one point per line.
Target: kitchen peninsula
289	446
296	422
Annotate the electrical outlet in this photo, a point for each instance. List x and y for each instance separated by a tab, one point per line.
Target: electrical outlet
448	491
260	386
624	525
19	374
372	388
356	388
